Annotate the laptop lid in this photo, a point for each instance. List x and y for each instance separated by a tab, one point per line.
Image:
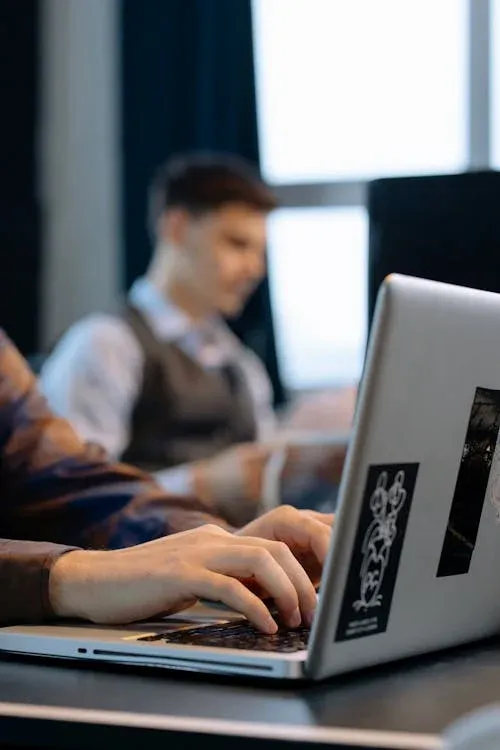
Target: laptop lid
414	559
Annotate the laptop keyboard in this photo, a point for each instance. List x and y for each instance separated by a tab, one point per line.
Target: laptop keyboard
239	634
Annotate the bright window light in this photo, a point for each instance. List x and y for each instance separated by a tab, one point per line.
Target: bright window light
317	271
357	89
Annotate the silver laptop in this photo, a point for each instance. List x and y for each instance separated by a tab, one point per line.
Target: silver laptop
415	550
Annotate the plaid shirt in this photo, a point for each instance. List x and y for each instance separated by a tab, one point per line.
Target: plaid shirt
57	491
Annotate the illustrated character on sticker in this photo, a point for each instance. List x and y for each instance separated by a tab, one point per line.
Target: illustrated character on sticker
385	505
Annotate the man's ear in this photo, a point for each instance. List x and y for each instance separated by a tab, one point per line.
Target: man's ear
172	226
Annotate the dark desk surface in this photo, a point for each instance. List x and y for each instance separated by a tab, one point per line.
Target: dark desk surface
402	706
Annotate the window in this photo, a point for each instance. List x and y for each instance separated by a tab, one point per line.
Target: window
361	88
349	91
317	270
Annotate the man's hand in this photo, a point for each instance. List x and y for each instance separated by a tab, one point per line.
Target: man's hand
170	574
331	410
323	459
232	481
305	532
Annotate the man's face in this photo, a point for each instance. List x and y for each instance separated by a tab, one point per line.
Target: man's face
223	255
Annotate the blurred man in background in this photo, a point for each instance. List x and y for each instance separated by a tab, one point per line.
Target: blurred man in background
165	385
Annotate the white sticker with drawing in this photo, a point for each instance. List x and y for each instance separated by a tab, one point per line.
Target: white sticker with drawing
385	505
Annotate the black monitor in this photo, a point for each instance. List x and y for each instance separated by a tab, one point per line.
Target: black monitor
445	228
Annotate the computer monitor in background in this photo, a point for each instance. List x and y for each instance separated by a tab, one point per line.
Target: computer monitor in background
445	228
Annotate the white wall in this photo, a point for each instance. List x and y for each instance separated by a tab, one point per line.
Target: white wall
79	160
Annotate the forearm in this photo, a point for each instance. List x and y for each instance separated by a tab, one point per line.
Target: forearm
95	504
24	580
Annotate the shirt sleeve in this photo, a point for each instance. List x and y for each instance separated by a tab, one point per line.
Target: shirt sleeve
24	580
178	480
93	378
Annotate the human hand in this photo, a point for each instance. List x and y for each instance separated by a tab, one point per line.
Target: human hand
170	574
322	458
332	411
232	481
306	533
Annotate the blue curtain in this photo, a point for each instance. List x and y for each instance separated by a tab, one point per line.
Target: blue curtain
188	84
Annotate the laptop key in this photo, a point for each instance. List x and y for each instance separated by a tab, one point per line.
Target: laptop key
238	635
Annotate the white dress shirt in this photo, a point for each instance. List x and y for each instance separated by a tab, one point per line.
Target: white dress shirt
94	376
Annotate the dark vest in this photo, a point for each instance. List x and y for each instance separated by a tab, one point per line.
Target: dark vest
184	413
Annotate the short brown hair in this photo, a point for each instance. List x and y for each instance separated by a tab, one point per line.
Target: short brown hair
201	183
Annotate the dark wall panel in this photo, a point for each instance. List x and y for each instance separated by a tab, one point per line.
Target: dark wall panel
19	212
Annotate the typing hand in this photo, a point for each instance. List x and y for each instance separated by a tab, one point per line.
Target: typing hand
170	574
305	533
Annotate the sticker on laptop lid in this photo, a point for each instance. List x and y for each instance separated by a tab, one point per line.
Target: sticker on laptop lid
478	478
377	550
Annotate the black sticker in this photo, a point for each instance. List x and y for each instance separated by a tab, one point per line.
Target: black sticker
472	482
377	550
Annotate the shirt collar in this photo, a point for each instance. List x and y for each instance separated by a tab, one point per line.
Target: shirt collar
167	320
